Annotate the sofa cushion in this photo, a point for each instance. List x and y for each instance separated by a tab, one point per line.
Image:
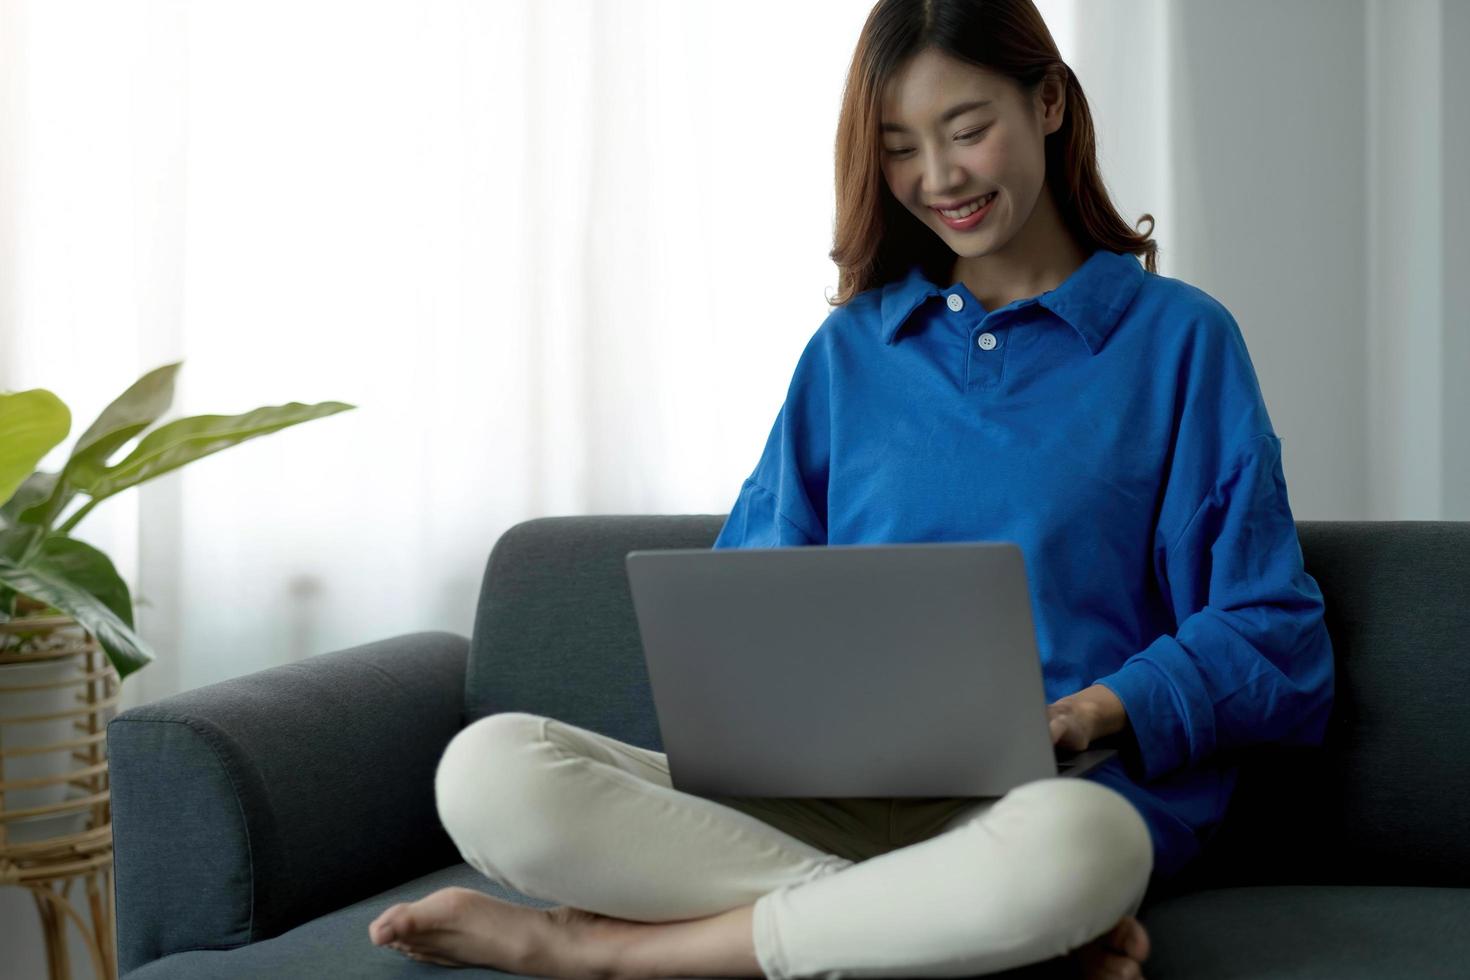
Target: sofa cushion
1296	932
334	945
1391	785
555	631
1282	932
337	945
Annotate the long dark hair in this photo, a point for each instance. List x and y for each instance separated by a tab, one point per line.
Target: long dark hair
876	239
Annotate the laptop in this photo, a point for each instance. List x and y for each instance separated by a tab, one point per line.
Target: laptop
887	670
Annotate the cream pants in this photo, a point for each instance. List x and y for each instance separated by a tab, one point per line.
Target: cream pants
870	887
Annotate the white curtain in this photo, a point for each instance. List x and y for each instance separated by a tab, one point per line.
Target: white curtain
562	256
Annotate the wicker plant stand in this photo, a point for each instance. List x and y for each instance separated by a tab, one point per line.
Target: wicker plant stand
48	847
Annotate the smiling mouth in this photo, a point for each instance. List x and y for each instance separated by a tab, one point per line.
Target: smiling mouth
982	201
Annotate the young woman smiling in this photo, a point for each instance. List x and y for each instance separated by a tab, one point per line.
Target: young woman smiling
1010	373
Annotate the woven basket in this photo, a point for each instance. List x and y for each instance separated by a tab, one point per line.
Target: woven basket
58	690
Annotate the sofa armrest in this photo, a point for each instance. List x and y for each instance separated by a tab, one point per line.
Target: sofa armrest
247	807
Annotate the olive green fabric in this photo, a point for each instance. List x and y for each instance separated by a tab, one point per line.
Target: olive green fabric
853	828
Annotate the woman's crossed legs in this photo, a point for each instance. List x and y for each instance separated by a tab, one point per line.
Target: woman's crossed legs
830	887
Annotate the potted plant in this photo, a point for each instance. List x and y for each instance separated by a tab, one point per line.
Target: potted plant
56	590
39	558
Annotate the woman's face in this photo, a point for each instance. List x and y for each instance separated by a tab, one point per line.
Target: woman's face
997	148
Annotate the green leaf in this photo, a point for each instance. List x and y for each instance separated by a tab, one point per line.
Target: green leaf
16	543
32	423
37	487
140	406
128	414
185	440
85	567
123	647
19	543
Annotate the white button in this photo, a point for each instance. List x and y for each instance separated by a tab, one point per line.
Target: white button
956	302
986	341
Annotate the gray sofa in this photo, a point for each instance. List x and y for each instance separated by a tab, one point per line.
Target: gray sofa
261	823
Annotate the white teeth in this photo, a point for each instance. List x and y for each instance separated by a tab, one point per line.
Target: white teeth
970	209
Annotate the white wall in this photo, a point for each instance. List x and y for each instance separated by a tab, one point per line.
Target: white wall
1405	297
1267	155
1300	159
1455	365
1121	56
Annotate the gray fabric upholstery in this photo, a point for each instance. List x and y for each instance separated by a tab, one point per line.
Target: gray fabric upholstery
333	945
1354	848
1307	932
1383	801
1285	932
245	808
555	632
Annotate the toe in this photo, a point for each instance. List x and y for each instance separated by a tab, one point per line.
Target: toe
383	928
399	925
415	954
1135	939
1120	968
1105	957
419	953
1128	937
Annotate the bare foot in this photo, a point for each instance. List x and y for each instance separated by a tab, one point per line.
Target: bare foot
460	926
1116	954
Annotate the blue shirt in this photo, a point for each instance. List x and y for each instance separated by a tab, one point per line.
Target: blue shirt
1113	428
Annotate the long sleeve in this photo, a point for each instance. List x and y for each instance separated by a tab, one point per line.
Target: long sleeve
756	521
1251	660
784	500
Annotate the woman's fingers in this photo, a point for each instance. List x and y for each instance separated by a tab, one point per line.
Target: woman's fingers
1068	728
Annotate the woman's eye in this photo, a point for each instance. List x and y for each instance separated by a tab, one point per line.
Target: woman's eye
898	151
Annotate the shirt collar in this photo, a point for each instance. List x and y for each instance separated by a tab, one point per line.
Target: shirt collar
1091	300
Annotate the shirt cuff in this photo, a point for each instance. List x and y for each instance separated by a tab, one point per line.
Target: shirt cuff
1169	709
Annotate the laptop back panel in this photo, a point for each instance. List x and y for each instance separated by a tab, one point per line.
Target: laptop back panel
857	670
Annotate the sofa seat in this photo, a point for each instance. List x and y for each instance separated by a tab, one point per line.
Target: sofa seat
337	945
1280	932
334	945
1296	932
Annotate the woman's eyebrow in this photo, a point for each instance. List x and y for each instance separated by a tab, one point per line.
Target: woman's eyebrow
946	116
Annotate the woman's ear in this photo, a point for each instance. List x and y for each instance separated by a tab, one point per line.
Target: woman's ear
1051	101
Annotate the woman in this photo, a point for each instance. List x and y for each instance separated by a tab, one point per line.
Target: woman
1013	374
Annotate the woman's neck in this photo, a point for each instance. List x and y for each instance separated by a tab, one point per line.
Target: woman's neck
1039	258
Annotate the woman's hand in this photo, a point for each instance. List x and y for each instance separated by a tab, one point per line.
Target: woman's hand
1071	723
1078	720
